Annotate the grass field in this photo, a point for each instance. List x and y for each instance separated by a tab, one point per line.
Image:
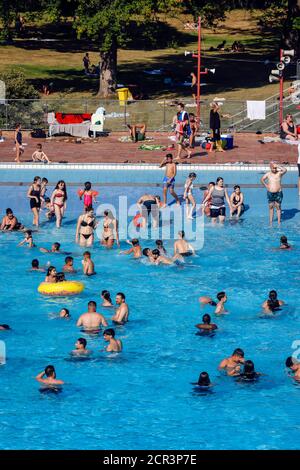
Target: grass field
60	62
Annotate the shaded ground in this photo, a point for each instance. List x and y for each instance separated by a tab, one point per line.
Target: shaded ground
60	61
109	150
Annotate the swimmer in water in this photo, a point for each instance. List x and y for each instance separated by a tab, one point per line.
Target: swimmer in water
272	304
48	377
206	326
115	345
68	266
182	247
35	266
148	254
122	311
294	365
91	321
55	248
88	264
51	274
232	364
64	313
107	302
28	239
4	327
10	222
203	381
248	373
222	299
160	246
135	249
284	244
80	346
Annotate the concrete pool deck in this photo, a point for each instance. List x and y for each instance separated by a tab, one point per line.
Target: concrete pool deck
247	149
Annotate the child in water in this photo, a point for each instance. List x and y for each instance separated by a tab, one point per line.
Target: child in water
28	239
188	195
88	195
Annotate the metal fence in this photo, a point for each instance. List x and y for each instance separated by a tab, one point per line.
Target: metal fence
157	114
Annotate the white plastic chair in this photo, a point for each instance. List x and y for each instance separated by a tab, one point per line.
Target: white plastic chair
97	121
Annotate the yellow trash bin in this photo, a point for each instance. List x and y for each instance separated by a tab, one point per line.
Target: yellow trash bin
123	95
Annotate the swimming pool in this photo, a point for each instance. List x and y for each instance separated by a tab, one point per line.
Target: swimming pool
143	397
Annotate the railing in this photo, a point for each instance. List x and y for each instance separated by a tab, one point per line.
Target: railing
157	114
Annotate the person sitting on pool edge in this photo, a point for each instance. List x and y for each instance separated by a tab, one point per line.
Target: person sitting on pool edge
232	364
206	326
122	311
272	304
137	132
68	266
80	348
35	266
222	299
50	379
135	249
294	365
115	345
91	321
87	264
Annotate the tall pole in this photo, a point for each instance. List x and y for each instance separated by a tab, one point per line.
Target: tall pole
281	91
198	72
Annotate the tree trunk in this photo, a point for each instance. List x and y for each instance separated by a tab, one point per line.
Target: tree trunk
108	72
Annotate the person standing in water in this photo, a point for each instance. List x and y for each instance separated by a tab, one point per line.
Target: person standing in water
232	365
217	194
188	195
48	377
110	232
115	345
169	179
34	195
182	247
58	201
272	182
86	225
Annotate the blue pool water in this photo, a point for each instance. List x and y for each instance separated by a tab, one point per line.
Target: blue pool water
143	397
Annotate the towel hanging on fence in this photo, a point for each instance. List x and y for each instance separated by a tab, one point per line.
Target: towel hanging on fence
256	110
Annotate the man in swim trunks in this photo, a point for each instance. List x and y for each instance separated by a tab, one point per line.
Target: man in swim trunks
232	364
149	204
182	247
169	179
122	311
48	377
115	345
294	365
272	182
91	321
80	346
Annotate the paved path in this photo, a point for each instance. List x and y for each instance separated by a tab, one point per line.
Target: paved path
110	150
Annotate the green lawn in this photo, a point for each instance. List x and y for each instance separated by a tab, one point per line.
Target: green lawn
61	63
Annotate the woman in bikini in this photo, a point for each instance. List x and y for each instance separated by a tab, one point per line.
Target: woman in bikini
58	201
110	230
86	225
34	194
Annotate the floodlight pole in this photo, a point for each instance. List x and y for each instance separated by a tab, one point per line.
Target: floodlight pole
281	90
199	73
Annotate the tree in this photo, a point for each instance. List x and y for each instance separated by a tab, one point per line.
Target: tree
109	23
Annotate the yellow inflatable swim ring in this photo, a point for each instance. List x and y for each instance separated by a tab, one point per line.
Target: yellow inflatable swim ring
61	288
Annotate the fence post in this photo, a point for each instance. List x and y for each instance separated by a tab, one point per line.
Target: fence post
6	115
164	123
